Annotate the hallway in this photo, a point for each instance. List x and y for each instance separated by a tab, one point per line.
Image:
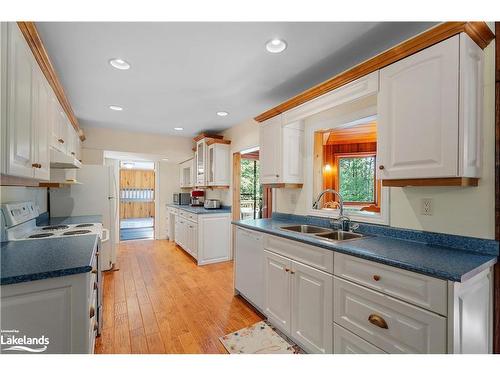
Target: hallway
161	302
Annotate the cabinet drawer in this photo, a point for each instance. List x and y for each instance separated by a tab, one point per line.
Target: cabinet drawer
425	291
316	257
391	325
345	342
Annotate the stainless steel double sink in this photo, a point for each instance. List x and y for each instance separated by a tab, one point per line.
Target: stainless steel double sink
324	233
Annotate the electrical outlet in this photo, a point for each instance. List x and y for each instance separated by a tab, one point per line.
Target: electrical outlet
426	206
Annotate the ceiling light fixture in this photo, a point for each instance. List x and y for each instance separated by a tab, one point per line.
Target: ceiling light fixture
276	45
222	113
116	108
119	64
179	129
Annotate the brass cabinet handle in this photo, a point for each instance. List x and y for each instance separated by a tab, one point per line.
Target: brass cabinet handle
277	175
34	165
287	269
95	285
381	167
60	140
292	272
378	321
94	271
72	153
376	277
92	312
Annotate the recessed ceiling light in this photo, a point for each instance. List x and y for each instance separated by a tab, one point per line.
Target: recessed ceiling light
116	108
276	45
222	113
119	64
179	129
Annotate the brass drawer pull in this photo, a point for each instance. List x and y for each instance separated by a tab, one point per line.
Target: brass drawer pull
94	271
378	321
60	140
292	272
72	153
92	312
287	269
376	277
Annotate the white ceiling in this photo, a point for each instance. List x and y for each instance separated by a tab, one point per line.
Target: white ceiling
183	73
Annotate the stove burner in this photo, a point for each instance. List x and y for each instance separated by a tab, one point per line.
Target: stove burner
84	225
55	227
41	235
73	232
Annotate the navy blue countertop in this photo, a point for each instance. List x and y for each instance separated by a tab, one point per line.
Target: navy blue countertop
201	210
43	220
437	261
31	260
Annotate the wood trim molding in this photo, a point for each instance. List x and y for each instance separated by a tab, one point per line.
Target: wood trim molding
452	181
236	185
478	31
30	32
496	271
283	186
206	135
6	180
219	141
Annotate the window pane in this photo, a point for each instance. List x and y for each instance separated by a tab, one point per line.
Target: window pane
357	179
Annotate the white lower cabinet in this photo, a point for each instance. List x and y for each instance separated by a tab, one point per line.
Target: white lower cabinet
390	324
337	303
345	342
277	286
299	302
206	238
312	308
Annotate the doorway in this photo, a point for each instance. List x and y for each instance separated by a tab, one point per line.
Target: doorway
137	200
251	200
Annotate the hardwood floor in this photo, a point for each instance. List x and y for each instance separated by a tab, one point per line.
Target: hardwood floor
160	301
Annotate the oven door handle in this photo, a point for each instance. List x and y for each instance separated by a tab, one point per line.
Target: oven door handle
105	233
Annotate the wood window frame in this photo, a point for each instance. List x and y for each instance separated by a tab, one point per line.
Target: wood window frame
376	188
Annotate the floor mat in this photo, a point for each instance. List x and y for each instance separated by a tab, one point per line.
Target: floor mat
259	338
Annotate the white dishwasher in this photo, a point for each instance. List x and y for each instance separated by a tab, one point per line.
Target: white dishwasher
249	266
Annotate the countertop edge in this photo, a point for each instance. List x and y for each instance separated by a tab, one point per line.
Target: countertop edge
390	262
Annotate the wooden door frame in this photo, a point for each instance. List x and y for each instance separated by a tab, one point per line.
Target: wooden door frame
236	186
496	274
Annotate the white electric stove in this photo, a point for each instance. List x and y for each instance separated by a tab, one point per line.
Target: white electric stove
20	224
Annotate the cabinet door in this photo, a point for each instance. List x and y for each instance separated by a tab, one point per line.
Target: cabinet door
277	290
312	308
346	342
193	236
41	126
181	175
211	165
293	158
418	114
200	163
270	151
19	122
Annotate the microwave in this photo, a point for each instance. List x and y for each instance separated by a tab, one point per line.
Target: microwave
182	198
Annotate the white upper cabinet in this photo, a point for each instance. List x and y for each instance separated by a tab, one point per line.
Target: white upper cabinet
186	173
429	113
281	152
41	127
218	165
19	135
201	151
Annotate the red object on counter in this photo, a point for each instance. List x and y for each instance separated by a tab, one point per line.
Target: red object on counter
197	193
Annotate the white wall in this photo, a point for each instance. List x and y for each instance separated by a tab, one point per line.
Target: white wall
242	136
168	180
461	211
16	194
176	149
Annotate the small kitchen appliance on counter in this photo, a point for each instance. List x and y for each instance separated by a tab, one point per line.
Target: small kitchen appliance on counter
197	198
182	198
212	204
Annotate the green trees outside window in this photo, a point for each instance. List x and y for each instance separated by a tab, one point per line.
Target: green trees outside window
357	179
